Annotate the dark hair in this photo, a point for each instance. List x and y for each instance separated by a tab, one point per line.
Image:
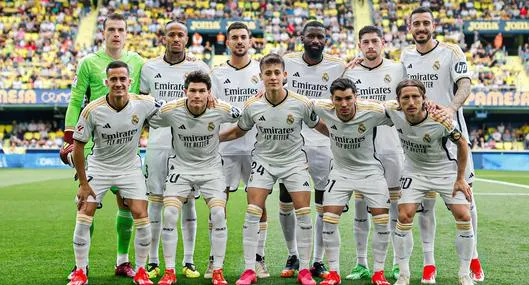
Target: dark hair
198	76
115	17
343	84
238	26
411	83
368	30
312	23
173	22
420	10
271	58
117	64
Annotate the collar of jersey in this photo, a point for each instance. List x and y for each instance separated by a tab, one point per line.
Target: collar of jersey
171	64
308	64
371	68
284	99
102	53
116	110
228	63
415	124
191	113
423	54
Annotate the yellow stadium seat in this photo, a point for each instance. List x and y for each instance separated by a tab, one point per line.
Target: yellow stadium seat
499	145
507	146
8	128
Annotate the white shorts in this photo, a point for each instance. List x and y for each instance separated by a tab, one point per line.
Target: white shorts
236	168
320	164
415	188
131	185
393	164
295	177
373	188
210	185
156	169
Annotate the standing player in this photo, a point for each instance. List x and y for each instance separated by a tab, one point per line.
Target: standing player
278	154
352	127
376	79
235	81
310	74
196	164
114	122
163	78
433	163
89	85
444	71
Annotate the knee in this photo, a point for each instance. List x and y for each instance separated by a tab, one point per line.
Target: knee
216	207
462	215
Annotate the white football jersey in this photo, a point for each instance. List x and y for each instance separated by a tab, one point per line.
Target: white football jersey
352	142
195	139
313	81
279	139
236	86
427	145
116	134
380	83
165	82
439	70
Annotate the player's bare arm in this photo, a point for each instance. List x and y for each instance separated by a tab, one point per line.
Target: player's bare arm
232	133
84	188
462	93
462	154
322	128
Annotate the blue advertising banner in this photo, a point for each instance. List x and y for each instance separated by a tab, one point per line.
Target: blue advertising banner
53	97
494	27
518	161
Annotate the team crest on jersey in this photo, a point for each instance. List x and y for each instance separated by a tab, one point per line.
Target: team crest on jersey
135	119
325	76
361	128
387	78
290	119
436	65
255	79
427	138
211	126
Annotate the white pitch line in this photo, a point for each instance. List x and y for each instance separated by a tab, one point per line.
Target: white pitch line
503	183
501	194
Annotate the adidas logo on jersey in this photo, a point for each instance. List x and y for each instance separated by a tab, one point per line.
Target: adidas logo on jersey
409	66
296	74
107	126
227	81
306	183
262	118
182	127
334	127
158	76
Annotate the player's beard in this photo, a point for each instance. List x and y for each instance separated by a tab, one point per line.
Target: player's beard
421	42
239	54
314	54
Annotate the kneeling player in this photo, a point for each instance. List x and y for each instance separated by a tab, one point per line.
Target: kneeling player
115	122
277	116
356	169
196	164
436	160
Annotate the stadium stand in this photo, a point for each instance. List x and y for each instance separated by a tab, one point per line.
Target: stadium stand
37	50
501	137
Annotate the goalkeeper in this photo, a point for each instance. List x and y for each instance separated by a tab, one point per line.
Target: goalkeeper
88	86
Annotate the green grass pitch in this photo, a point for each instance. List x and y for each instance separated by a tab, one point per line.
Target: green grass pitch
37	216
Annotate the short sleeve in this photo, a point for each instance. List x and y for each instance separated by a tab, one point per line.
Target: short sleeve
84	128
458	66
309	115
245	121
144	81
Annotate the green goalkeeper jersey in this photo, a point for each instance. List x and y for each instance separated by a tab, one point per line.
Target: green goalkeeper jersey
89	83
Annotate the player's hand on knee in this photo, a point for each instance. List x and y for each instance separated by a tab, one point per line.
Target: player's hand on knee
462	186
82	195
66	152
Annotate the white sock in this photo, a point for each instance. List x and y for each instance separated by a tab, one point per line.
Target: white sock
287	219
155	216
361	229
263	229
81	240
380	241
189	229
169	231
250	234
219	233
427	226
331	240
474	217
393	217
142	242
464	246
210	226
304	236
318	237
404	247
